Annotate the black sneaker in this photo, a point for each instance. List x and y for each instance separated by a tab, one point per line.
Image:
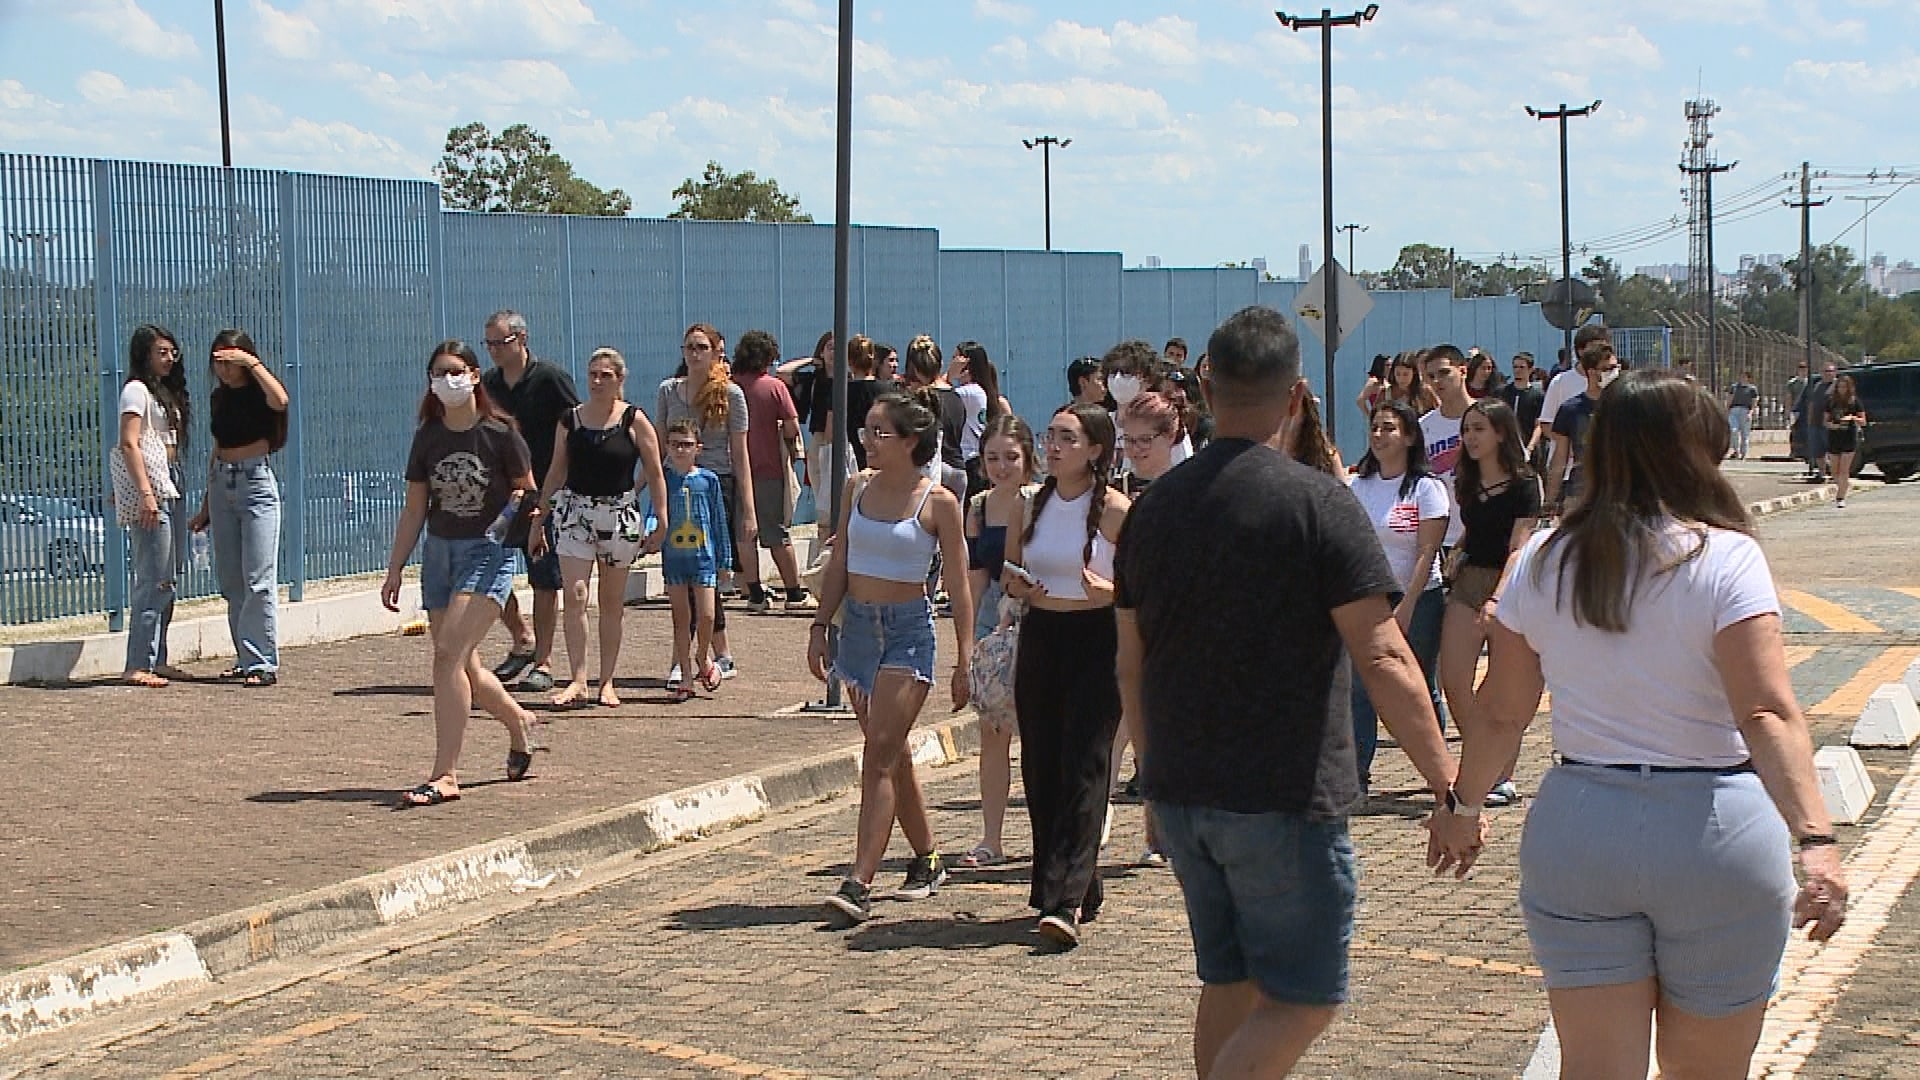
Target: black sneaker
852	904
1060	929
925	875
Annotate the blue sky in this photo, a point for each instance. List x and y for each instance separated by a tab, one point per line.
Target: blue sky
1195	123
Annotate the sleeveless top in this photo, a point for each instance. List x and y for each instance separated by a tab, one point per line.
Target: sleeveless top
600	461
890	550
987	551
1054	555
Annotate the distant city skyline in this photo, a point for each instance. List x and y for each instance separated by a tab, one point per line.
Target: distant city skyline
1195	127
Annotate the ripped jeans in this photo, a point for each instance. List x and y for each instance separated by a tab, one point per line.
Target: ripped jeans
150	598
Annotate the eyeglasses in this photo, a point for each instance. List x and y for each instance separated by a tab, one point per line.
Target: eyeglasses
875	435
501	343
1057	437
166	350
441	373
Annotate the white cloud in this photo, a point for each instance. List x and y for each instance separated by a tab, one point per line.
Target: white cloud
288	34
127	24
552	28
1166	42
1003	11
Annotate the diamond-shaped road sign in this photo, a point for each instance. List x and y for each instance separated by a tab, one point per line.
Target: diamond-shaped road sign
1310	305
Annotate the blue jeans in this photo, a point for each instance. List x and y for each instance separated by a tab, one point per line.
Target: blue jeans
243	508
1740	419
150	600
1424	635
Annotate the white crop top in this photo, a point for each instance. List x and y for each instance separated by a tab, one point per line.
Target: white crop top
890	550
1054	555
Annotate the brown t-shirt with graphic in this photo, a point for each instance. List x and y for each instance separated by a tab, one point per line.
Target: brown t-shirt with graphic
469	474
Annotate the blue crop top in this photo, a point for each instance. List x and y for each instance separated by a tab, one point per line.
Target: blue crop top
890	550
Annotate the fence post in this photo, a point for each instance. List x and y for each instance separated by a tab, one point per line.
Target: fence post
566	297
293	248
437	263
106	317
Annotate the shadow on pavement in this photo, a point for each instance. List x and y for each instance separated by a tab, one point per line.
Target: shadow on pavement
958	931
425	690
1414	804
388	796
744	916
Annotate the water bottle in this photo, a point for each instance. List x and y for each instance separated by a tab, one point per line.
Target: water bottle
497	532
202	550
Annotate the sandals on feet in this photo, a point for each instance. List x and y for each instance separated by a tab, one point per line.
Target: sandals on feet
518	762
981	857
710	678
144	678
429	794
257	679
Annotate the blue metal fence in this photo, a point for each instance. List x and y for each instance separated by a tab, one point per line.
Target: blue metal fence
345	284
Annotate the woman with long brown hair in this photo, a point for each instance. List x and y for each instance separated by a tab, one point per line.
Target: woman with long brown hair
1066	691
1845	417
708	394
1499	499
1656	868
467	469
155	409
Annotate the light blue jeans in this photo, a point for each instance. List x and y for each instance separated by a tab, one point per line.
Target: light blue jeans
1740	419
243	509
1424	635
150	598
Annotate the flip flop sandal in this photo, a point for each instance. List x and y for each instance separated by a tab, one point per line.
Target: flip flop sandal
429	795
710	678
232	674
518	762
981	857
258	679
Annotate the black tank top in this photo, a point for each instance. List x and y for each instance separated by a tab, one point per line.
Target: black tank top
600	461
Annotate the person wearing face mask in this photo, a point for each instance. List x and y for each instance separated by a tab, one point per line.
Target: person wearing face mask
1600	367
467	469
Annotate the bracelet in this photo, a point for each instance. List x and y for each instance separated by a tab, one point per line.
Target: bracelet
821	626
1813	840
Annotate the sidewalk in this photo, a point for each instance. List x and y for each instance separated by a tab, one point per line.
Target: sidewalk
134	811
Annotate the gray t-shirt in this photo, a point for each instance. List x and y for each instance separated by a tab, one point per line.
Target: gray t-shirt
1742	395
469	474
716	450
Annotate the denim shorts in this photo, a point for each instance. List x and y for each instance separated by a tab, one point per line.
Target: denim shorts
1686	877
1270	898
874	637
476	565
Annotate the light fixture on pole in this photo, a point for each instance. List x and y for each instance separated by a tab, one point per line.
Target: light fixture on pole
1566	229
1046	143
1325	23
1350	229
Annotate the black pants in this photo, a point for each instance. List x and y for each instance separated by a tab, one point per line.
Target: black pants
1068	700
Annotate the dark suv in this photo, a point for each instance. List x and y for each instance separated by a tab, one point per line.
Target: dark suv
1890	393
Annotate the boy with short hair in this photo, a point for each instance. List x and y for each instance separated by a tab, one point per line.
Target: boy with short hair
696	509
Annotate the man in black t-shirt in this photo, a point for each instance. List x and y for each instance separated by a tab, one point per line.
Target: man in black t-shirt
1236	667
536	394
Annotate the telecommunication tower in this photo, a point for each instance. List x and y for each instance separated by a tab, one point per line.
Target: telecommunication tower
1695	159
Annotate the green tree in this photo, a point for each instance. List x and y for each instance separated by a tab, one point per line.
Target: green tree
1420	266
518	171
1887	329
1605	277
1640	301
723	196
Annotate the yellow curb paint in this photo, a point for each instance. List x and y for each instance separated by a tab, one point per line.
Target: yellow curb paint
1853	694
1827	613
1799	654
259	1047
1905	590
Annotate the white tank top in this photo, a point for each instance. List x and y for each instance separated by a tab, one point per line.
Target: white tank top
1053	556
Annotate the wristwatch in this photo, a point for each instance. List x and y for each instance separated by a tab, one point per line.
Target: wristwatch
1460	809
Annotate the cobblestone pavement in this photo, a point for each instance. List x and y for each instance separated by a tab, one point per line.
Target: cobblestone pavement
711	962
129	811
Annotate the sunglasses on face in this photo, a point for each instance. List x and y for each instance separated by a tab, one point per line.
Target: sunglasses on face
501	343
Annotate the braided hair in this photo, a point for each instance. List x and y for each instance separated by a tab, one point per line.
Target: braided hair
1097	423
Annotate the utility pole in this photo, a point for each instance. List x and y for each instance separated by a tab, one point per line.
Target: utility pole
1566	226
1866	255
1704	173
220	55
1350	229
1325	24
1046	143
1803	274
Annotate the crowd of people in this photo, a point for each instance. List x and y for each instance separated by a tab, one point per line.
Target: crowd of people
1572	527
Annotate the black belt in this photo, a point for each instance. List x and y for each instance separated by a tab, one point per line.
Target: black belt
1716	770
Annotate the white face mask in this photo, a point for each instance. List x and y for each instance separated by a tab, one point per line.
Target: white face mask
453	389
1607	377
1124	388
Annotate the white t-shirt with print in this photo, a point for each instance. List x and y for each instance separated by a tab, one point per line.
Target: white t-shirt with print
1441	433
975	399
1396	518
135	398
1650	696
1565	386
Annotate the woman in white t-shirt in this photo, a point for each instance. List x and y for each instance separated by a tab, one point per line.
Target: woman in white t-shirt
1656	871
1409	508
153	416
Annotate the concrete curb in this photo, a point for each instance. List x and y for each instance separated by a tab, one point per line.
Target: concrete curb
1782	503
52	996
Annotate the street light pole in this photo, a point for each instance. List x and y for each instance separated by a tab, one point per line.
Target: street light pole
1350	229
220	56
1566	227
1866	255
1046	143
1325	23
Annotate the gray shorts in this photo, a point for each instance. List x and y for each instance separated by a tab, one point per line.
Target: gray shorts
1684	877
773	509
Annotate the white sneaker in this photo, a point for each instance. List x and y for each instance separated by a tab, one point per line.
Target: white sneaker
675	677
726	666
1106	829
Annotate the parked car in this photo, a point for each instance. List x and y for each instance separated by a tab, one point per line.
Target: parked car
59	536
353	509
1890	393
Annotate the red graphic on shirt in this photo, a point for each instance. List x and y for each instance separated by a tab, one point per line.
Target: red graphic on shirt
1444	455
1404	518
